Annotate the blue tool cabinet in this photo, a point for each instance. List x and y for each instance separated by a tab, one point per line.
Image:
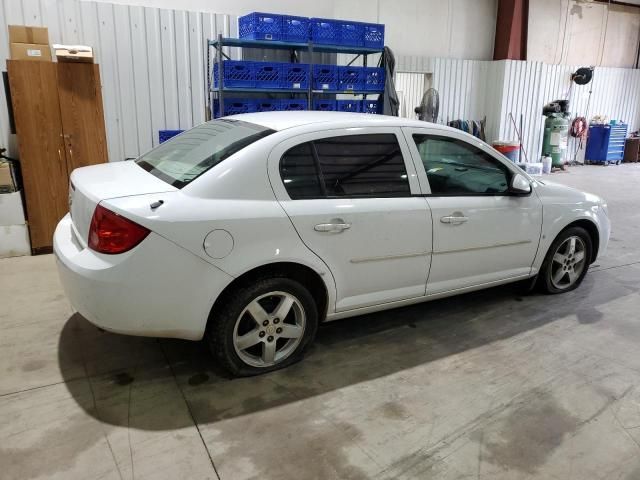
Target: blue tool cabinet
605	144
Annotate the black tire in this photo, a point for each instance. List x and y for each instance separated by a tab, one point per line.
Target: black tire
222	325
545	280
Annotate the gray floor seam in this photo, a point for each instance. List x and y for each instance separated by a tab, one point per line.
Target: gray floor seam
186	402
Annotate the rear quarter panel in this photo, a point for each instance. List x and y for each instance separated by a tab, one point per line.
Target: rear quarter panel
262	233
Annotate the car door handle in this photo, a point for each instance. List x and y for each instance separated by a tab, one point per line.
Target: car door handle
454	219
332	227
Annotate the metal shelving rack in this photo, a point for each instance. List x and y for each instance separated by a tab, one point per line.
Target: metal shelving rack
293	48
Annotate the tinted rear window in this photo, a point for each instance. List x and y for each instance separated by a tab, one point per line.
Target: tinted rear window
368	165
185	157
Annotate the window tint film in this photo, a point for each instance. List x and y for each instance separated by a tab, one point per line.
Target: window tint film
299	173
455	167
183	158
362	166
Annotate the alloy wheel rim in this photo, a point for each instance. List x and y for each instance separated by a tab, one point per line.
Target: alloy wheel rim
269	329
568	263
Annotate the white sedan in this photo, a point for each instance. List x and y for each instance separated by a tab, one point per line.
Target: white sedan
252	229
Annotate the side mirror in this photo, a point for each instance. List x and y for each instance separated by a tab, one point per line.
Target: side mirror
520	185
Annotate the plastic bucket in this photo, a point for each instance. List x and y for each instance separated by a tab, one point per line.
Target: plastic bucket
510	150
546	164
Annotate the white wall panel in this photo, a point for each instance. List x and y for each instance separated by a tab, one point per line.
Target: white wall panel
410	88
153	67
127	112
141	80
504	91
152	63
183	71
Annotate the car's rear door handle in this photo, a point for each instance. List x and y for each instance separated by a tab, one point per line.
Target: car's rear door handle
454	219
332	227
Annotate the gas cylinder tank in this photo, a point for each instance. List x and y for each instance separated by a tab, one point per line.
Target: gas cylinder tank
556	136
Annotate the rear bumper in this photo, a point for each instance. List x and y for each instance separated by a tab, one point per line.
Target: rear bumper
158	289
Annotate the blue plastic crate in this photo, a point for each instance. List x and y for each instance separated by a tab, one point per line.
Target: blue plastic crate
267	105
351	34
372	106
164	135
324	105
234	106
236	74
260	26
325	31
295	29
351	78
293	104
268	74
295	75
373	79
349	105
373	35
325	77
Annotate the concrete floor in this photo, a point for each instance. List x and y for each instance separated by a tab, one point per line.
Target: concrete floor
489	385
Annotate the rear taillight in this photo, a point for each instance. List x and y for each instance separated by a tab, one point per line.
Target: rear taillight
112	233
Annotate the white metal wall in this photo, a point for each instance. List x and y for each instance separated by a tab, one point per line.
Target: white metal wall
504	90
530	85
152	63
468	89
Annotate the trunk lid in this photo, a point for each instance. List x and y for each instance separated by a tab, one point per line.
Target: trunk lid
88	186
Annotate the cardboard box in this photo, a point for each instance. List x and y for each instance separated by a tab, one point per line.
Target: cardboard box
30	51
27	34
7	184
29	43
14	241
11	210
73	53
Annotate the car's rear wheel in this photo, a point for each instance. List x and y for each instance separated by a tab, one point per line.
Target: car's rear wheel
263	326
567	261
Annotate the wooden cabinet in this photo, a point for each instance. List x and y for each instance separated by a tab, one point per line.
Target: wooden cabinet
60	125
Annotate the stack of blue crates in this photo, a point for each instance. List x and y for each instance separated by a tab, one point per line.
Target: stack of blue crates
271	26
274	76
235	106
266	75
325	31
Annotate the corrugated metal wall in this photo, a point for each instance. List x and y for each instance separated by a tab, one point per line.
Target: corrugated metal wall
504	90
530	85
152	62
153	65
468	89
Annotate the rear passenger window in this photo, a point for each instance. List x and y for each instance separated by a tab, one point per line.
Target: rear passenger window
350	166
362	166
299	173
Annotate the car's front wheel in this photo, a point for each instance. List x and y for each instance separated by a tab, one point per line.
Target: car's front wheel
567	261
263	326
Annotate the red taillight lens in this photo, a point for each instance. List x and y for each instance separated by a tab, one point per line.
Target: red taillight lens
112	233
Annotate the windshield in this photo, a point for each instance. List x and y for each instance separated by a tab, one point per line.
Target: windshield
183	158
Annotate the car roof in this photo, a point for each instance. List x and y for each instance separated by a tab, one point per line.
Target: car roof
284	120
